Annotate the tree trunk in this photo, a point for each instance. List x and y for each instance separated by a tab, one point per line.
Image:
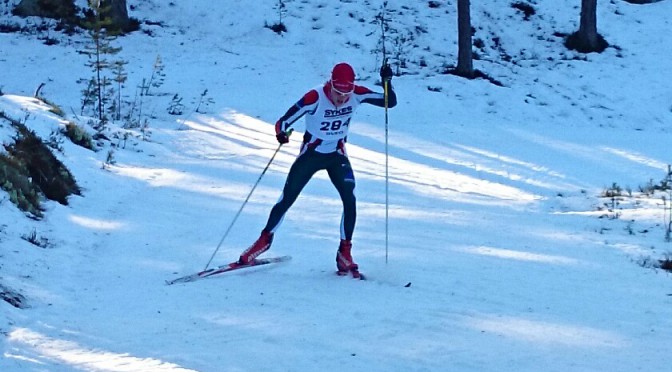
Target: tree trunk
465	64
588	24
57	9
115	12
587	39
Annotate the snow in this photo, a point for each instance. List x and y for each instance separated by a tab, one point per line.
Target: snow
502	255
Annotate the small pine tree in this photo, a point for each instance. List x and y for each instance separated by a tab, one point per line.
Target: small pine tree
176	106
97	93
279	27
120	77
204	102
157	78
282	9
88	94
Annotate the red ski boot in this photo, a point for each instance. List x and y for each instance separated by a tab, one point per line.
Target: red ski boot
260	246
344	261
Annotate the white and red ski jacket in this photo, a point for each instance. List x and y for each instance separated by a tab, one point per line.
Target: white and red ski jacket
327	125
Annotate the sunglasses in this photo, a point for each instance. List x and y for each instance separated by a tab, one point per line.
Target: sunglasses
340	93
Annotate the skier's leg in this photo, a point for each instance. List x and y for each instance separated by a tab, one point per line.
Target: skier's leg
300	173
343	178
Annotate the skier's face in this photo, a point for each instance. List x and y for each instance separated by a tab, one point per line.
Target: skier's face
338	97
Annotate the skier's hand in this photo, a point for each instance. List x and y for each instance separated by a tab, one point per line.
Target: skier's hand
282	137
386	72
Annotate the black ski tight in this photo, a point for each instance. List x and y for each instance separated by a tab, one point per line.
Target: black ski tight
306	165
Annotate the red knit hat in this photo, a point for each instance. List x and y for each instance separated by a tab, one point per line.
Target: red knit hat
343	78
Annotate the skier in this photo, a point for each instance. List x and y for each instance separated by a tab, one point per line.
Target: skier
328	110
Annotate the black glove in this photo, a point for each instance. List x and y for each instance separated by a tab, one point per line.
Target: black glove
281	135
282	138
386	72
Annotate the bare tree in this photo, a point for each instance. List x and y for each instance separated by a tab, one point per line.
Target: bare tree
586	39
465	64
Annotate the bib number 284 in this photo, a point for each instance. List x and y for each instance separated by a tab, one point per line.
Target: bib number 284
330	126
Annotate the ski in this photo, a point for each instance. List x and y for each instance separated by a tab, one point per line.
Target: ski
354	273
226	268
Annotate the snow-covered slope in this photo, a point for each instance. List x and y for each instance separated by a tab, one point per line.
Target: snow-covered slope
497	258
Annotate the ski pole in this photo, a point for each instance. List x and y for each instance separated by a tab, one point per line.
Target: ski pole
387	173
383	24
244	203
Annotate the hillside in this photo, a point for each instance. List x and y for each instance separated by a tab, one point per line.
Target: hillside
524	230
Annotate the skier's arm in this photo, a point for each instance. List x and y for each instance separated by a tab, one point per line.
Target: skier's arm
306	104
377	99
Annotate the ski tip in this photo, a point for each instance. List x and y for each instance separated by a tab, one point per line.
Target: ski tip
173	281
